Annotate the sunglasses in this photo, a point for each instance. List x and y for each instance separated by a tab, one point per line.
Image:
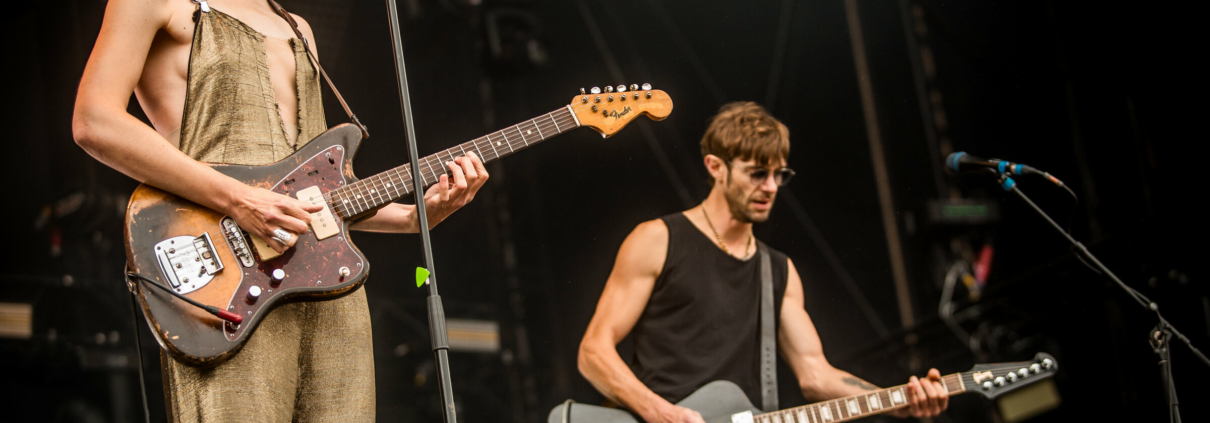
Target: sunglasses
780	176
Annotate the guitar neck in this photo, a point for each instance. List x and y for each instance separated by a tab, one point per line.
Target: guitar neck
856	406
381	189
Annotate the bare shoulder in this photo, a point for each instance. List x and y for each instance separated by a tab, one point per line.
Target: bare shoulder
644	250
305	28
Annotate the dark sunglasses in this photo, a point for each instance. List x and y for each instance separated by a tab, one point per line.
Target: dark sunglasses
780	176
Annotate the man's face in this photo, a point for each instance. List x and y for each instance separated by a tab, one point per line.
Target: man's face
750	196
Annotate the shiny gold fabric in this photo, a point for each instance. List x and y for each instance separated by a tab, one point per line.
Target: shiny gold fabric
230	113
307	362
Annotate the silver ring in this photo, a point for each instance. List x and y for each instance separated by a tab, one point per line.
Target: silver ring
283	236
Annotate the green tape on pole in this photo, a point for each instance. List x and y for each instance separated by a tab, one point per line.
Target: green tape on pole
422	275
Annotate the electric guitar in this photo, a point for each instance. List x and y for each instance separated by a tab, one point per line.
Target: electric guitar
724	402
215	282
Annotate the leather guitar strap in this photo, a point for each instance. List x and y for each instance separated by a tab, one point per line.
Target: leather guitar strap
768	334
315	61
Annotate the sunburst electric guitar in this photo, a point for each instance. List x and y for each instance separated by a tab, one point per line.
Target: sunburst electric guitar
214	282
724	402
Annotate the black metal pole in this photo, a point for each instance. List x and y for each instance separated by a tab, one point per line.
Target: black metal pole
437	331
1161	332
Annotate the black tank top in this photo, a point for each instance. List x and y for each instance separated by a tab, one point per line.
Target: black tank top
702	322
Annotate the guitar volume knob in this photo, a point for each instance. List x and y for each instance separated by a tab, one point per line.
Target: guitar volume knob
253	294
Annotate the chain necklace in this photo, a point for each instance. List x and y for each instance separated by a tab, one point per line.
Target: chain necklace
747	246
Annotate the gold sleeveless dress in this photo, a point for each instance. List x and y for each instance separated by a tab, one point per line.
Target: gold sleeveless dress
307	362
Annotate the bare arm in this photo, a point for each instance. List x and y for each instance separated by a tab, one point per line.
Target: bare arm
818	380
626	293
105	130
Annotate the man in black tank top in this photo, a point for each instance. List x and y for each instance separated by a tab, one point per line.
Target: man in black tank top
688	285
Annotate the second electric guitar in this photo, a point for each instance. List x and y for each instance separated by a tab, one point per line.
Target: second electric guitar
204	256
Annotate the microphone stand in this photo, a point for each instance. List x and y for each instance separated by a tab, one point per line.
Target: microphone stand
1158	337
437	331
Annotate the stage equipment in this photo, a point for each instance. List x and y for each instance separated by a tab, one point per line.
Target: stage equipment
962	162
1159	336
724	402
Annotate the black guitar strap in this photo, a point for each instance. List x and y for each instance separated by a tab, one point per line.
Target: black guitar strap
768	334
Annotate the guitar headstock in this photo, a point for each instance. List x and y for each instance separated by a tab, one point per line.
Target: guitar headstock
991	380
608	111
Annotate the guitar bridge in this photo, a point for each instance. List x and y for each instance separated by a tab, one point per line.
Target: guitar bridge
189	263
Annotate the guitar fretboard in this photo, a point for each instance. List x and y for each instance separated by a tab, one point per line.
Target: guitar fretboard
383	188
853	407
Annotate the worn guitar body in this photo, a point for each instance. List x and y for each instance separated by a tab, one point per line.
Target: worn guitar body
175	242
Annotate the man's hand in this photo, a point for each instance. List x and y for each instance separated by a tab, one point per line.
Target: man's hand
926	397
675	414
261	212
444	198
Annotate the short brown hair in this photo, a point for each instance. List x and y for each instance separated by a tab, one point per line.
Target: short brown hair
744	130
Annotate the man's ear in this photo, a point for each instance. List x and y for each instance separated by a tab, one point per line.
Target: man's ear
716	167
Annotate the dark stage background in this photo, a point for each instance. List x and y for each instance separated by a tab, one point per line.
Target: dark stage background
1099	94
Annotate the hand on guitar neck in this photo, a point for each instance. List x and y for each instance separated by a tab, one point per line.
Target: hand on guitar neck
926	397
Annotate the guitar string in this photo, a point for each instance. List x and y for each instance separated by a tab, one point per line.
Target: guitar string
790	415
843	404
478	142
556	123
375	182
563	118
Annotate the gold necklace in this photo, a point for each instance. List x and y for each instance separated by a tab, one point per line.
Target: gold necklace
747	247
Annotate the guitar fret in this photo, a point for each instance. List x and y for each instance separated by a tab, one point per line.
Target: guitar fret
552	120
475	143
493	146
536	127
374	190
506	141
365	195
523	140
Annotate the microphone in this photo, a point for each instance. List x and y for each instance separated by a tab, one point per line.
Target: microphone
961	162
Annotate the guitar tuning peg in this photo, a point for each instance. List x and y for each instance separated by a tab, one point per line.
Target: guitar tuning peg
595	90
622	88
608	88
646	87
634	87
582	91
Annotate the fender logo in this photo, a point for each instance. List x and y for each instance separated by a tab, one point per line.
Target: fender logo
980	376
614	114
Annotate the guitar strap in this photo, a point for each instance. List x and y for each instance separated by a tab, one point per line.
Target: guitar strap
768	334
307	45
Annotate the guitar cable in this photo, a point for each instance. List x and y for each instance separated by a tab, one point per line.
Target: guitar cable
215	311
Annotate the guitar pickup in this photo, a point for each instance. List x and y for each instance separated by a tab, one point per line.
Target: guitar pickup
322	222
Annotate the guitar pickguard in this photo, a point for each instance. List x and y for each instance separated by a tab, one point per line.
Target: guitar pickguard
314	263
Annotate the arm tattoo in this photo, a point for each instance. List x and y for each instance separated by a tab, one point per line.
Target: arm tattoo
858	383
